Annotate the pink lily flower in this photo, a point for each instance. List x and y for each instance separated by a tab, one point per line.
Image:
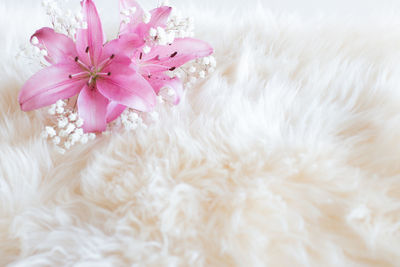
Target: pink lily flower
161	58
102	75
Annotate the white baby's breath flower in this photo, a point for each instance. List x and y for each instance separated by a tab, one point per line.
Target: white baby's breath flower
146	17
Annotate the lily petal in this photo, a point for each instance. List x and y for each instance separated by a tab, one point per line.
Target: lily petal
159	16
114	110
126	87
92	108
49	85
125	44
89	42
162	81
58	46
182	50
136	18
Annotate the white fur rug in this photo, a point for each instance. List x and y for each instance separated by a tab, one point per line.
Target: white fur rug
288	155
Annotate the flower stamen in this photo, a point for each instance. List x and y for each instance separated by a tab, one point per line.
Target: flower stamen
81	64
78	75
105	62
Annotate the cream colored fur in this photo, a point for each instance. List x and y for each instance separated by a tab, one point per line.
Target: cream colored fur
288	155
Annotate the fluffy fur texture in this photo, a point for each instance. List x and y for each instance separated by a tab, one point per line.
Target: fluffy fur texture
287	156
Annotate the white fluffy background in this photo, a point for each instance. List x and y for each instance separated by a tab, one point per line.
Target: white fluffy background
289	155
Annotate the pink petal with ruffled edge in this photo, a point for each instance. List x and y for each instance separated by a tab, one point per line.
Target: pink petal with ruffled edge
92	108
89	42
161	81
114	110
126	87
162	58
49	85
59	46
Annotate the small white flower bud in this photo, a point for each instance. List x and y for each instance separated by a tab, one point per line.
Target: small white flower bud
153	32
206	60
132	10
62	123
146	17
133	116
60	103
79	131
56	140
170	92
171	37
79	122
51	132
36	50
74	138
126	20
125	12
161	33
35	40
73	117
146	49
202	74
59	110
79	17
213	62
44	52
70	128
192	69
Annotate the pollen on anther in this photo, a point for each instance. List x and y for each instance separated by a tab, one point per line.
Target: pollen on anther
76	59
70	76
109	74
141	55
112	56
174	54
173	68
87	49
